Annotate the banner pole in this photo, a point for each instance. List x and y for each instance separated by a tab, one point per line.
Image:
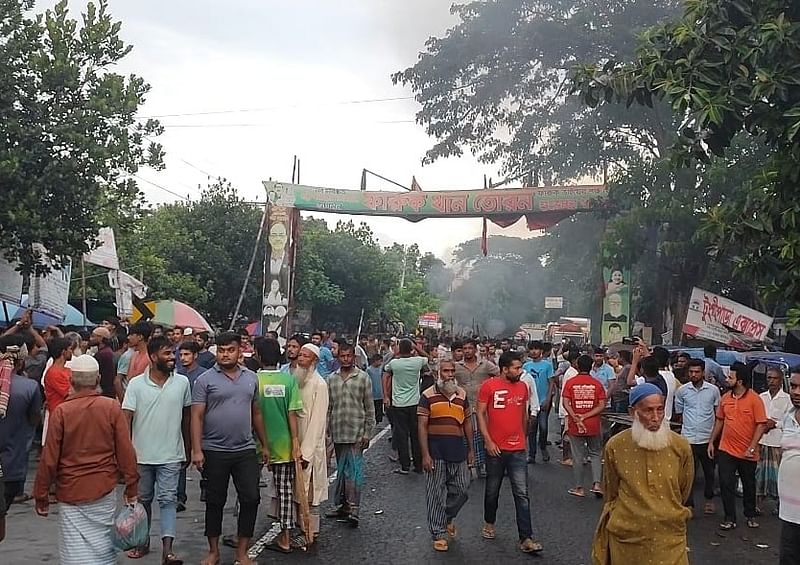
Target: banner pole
83	290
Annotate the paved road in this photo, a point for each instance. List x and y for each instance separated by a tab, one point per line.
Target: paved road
393	527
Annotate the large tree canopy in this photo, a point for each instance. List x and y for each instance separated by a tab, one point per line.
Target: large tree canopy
730	69
69	139
498	84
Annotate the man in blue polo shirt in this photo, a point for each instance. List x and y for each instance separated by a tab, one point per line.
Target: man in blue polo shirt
696	404
543	374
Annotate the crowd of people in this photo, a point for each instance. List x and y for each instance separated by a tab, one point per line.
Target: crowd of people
138	405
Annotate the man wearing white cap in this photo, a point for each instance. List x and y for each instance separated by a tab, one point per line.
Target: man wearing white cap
312	425
649	472
88	447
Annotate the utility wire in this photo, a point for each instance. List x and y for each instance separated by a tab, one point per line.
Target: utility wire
244	110
169	126
161	187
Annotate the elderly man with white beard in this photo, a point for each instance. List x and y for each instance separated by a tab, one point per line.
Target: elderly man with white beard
649	472
312	426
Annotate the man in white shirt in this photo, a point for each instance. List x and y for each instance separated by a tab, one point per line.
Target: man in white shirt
776	404
566	454
533	412
789	477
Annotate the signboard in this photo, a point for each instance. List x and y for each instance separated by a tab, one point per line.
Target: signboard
543	205
553	302
616	305
49	293
10	282
105	254
719	319
430	320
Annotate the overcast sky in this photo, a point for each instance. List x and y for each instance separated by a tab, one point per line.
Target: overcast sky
301	62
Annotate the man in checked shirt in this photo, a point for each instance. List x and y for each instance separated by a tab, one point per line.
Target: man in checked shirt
351	415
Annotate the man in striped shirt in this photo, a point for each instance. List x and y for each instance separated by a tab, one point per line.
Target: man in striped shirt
445	437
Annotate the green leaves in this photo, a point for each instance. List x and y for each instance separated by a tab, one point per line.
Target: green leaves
68	133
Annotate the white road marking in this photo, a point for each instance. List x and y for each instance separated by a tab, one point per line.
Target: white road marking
262	542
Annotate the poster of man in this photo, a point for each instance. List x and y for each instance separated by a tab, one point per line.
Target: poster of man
616	305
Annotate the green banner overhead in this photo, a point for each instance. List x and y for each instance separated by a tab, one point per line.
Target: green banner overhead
542	206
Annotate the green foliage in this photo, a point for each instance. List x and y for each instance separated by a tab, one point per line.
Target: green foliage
343	270
198	252
68	134
730	69
497	83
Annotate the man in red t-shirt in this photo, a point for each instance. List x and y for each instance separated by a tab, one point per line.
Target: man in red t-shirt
585	399
503	422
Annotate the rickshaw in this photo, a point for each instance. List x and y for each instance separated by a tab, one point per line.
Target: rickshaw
760	361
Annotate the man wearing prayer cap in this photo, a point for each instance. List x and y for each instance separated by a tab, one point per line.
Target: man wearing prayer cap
312	423
88	447
648	475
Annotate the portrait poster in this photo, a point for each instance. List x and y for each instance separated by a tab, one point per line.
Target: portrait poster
616	304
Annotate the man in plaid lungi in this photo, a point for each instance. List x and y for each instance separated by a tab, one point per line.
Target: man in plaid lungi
280	401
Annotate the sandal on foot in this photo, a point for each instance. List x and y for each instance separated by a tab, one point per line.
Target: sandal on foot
172	559
530	546
727	526
751	523
576	492
138	552
598	493
488	531
441	545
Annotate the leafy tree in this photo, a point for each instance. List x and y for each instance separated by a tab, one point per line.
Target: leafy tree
69	139
497	83
343	270
198	252
730	69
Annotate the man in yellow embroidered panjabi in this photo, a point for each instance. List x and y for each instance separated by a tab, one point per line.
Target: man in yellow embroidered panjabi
649	472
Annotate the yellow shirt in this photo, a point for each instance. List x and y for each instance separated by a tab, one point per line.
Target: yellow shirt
644	517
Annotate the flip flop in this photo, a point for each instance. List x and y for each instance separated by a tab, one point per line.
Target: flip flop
576	492
172	559
597	493
275	547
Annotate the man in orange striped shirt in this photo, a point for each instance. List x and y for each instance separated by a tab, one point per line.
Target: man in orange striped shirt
445	437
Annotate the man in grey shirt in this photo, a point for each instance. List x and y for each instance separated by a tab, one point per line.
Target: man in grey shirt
225	413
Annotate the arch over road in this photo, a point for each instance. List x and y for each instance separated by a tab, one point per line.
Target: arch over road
542	207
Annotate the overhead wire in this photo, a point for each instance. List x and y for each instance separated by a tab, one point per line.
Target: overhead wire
245	125
161	187
268	109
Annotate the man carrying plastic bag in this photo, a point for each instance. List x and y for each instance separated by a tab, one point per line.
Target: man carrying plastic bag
88	446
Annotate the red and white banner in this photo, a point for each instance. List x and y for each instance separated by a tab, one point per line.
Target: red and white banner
720	319
430	320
